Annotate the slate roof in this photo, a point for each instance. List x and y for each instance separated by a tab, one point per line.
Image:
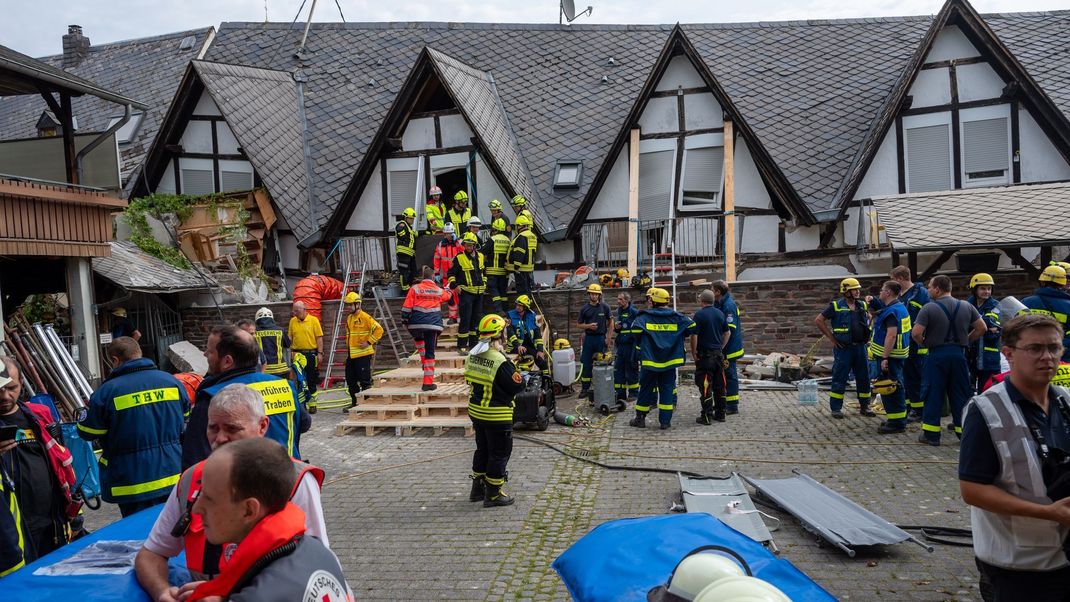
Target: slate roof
262	108
136	270
948	220
56	78
147	69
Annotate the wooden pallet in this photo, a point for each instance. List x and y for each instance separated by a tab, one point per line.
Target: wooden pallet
384	411
373	426
390	395
443	359
443	410
413	377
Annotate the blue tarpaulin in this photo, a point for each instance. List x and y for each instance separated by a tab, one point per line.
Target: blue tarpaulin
622	560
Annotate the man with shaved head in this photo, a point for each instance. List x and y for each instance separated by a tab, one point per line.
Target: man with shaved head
306	338
233	356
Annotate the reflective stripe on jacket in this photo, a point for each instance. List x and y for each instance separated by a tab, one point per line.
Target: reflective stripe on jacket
436	217
480	371
273	342
662	332
727	305
902	327
985	350
496	254
468	274
523	331
841	319
914	298
459	219
623	325
422	309
522	252
445	252
1055	303
406	238
280	405
362	333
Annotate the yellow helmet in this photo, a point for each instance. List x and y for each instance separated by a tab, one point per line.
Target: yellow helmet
461	196
519	201
1064	265
523	220
980	279
498	225
1053	273
408	212
495	204
352	297
606	279
524	300
300	361
562	344
469	238
658	295
885	386
849	284
491	325
119	311
603	356
622	273
594	288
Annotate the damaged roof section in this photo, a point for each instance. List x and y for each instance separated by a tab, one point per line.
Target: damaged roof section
136	270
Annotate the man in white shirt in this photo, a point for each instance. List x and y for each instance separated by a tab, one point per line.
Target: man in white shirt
236	413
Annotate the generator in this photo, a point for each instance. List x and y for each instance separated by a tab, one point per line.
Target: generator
535	405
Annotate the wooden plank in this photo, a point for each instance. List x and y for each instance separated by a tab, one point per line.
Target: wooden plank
633	202
936	265
263	203
729	204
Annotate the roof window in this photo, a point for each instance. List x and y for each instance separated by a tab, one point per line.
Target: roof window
568	174
126	133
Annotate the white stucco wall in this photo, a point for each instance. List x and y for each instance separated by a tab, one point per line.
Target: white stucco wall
557	252
167	180
197	137
419	134
228	143
206	106
612	200
978	82
291	257
882	178
702	111
750	189
679	73
1040	161
659	116
760	234
949	44
368	214
806	238
455	131
932	87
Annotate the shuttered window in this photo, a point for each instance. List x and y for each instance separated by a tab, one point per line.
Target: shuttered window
235	180
402	190
928	151
197	181
985	149
702	178
655	184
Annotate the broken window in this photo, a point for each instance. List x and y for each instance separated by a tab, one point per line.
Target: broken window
702	178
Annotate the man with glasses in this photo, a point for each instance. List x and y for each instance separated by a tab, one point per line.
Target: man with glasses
1015	440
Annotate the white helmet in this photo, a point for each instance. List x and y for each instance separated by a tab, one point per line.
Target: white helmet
697	571
741	588
448	228
264	312
475	221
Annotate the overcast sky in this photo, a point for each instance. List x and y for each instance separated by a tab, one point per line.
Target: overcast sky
35	27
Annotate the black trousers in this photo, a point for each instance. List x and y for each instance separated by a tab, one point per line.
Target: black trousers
470	310
710	378
497	288
406	270
358	374
126	509
494	445
524	281
1006	585
312	370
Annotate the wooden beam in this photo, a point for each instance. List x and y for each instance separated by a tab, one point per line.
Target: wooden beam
681	133
1016	256
66	117
827	232
1045	257
896	260
912	263
633	203
936	265
729	204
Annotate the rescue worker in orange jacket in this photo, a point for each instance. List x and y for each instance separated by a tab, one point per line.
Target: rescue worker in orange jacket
446	252
362	333
422	315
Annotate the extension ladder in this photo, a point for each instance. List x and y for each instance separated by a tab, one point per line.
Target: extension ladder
335	372
385	317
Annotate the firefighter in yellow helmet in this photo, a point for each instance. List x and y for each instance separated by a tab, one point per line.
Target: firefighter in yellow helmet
1052	299
494	383
496	213
496	257
846	323
522	256
661	335
436	211
362	333
405	253
596	322
525	336
983	354
466	276
460	213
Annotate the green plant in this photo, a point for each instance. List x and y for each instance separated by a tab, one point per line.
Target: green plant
157	205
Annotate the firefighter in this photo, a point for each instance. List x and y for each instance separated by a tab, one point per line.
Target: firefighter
422	315
496	213
734	350
274	343
524	333
362	333
595	319
520	207
405	252
625	365
445	252
846	323
460	213
914	296
888	347
522	256
707	350
137	415
983	355
1052	300
436	213
494	384
468	284
495	257
474	225
661	332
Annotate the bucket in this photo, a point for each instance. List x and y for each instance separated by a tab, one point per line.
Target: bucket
807	392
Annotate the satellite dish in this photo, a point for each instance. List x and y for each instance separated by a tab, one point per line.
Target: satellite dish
568	7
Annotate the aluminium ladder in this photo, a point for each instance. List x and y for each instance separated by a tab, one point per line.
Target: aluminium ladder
385	317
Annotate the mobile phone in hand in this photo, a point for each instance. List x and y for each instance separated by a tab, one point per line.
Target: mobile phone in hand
8	432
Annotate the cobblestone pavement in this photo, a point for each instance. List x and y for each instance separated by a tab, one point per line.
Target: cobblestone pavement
401	524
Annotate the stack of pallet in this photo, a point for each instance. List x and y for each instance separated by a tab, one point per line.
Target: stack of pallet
397	402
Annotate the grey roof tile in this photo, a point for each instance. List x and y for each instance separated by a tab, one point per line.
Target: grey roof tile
135	270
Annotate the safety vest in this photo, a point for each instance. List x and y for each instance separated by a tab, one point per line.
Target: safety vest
914	299
496	254
436	218
406	238
202	558
505	218
522	252
137	414
734	349
1023	543
280	405
459	219
470	273
362	333
623	325
662	332
480	371
12	539
270	341
1055	303
523	331
902	325
841	319
445	252
985	354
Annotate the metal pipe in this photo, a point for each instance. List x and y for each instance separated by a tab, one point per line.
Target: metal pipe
68	384
308	24
68	362
99	139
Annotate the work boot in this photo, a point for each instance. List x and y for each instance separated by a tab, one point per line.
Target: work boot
430	387
664	426
732	410
704	418
913	416
865	411
494	496
927	441
639	421
719	416
890	429
479	488
838	415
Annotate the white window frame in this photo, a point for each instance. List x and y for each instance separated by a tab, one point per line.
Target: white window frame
919	121
980	114
244	167
657	145
714	140
185	163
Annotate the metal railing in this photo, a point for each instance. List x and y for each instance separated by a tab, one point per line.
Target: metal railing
695	240
369	252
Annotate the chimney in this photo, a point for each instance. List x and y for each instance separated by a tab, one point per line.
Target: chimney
75	47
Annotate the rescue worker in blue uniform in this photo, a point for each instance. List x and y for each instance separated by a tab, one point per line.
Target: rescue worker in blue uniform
734	350
984	353
846	323
660	342
232	357
707	349
137	415
595	320
273	341
1052	299
525	337
625	364
889	347
913	297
